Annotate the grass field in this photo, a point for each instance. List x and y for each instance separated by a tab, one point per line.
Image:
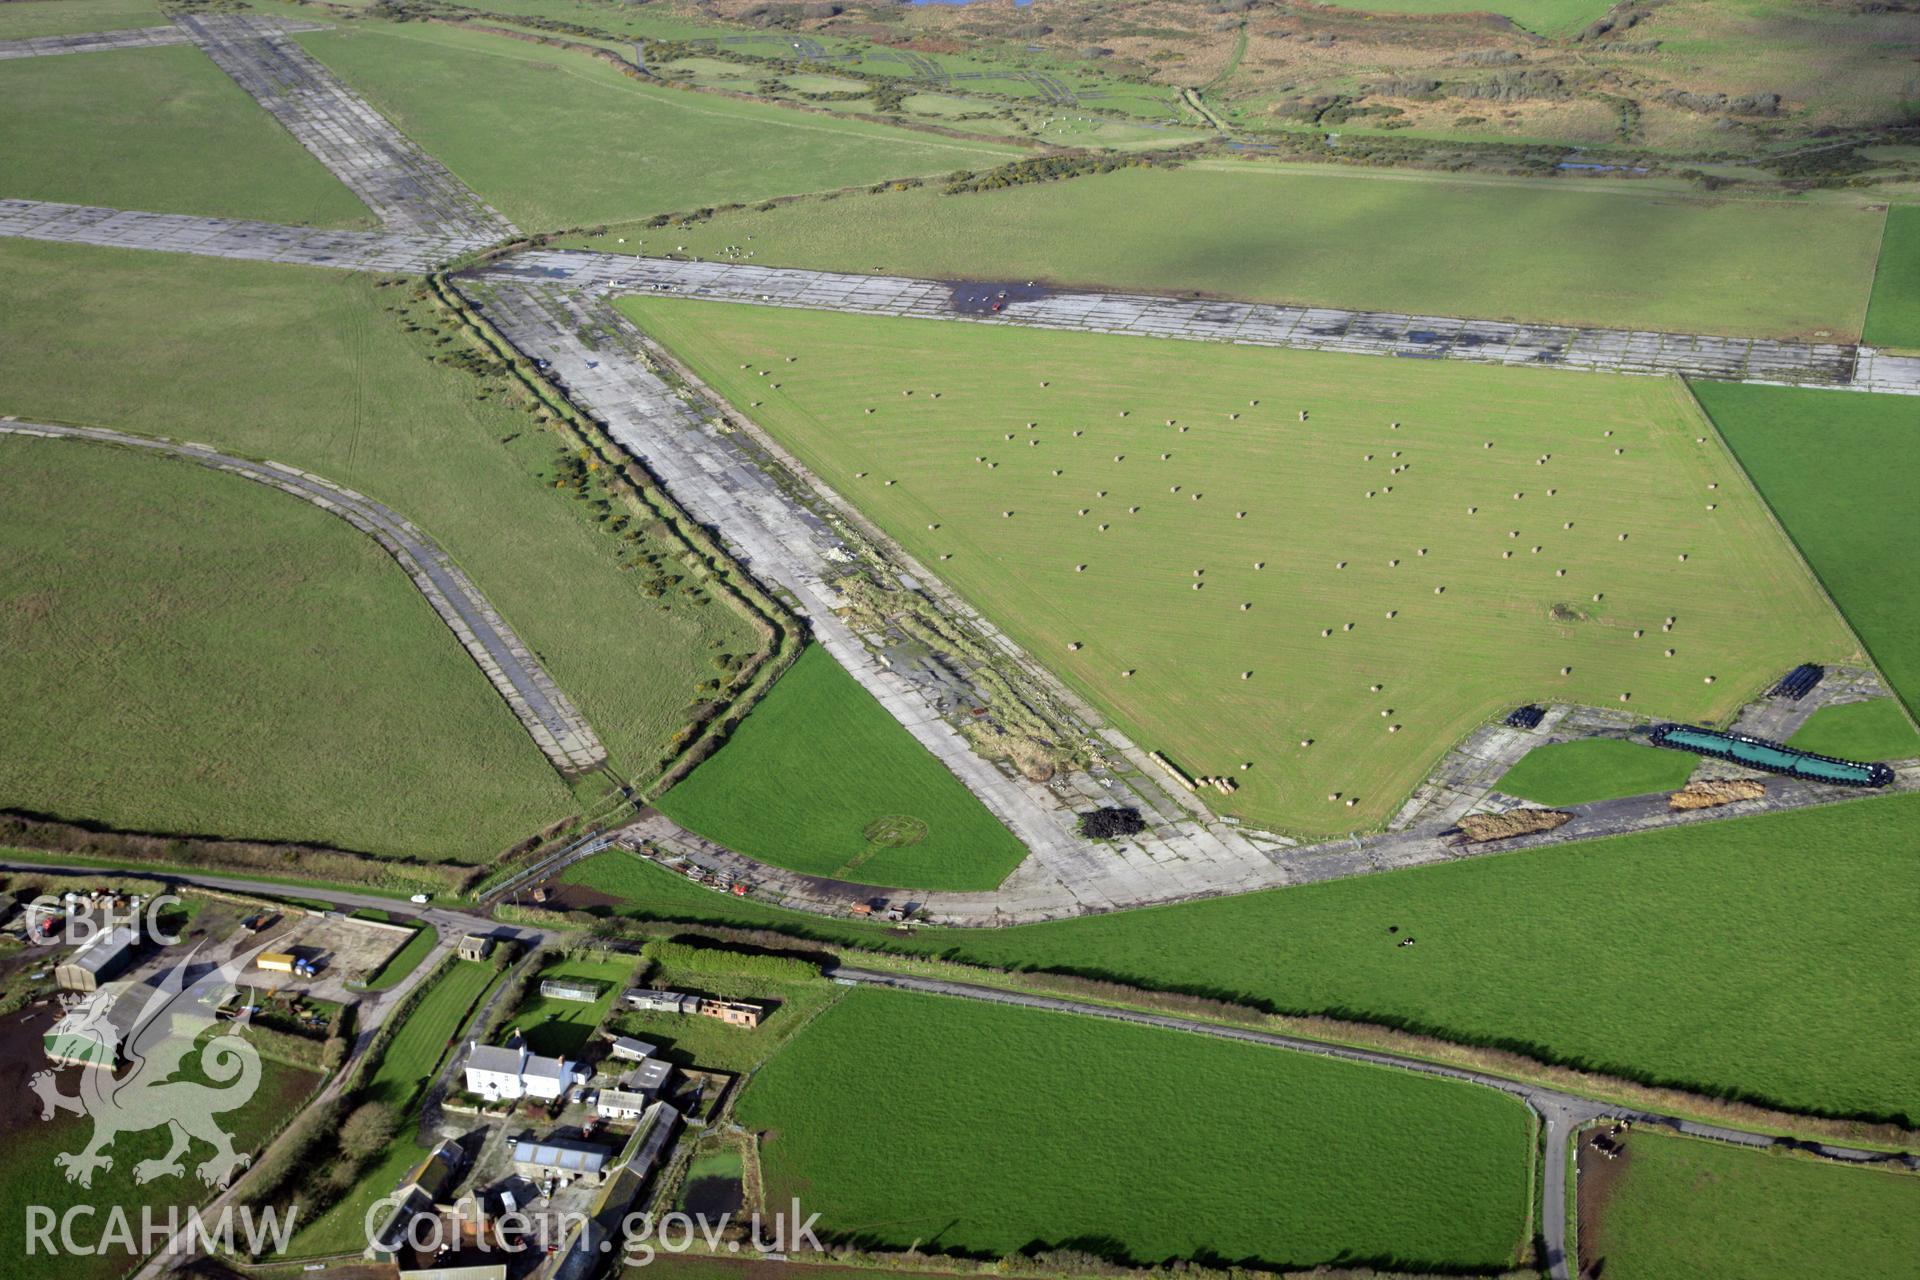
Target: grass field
558	139
1565	251
1367	555
1840	471
820	779
1707	1211
1767	957
157	129
1548	17
561	1028
410	1062
1154	1144
25	18
310	368
1876	730
1893	315
176	640
1589	769
32	1178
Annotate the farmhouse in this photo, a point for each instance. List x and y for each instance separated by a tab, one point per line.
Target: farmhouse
98	960
497	1073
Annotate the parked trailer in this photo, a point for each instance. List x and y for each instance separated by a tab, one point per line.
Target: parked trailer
275	962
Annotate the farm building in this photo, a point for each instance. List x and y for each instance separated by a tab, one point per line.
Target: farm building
620	1104
476	946
735	1013
98	960
650	1077
425	1187
570	989
499	1074
567	1159
628	1049
660	1001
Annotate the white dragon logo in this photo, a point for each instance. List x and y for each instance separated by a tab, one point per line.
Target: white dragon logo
176	1019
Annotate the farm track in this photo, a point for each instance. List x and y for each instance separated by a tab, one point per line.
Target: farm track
560	732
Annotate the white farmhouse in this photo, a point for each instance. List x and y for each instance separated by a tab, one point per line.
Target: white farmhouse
498	1074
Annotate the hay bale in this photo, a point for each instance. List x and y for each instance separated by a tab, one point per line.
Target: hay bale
1711	795
1482	827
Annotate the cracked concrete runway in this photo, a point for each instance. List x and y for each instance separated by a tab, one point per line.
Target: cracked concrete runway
549	718
231	238
1839	365
404	186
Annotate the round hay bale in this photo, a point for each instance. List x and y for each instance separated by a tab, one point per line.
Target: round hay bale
1566	671
1518	496
1198	496
1393	728
1385	712
1394	425
1326	632
1626	697
947	556
869	411
1472	510
1119	457
1352	801
1439	591
1183	431
1233	417
1559	573
1103	528
1683	556
993	466
1393	613
1366	458
1199	572
1513	533
1369	493
1707	680
1056	471
1306	742
1567	525
746	366
1009	435
1133	511
1713	506
1123	413
1198	585
1099	493
1423	551
1638	632
1609	433
1165	457
890	484
1377	688
933	526
1127	674
1006	515
1536	551
1341	565
1073	647
1083	510
1393	564
1618	452
1714	485
1173	488
859	475
1245	605
1239	515
1333	795
1552	492
1259	564
1079	568
1396	453
1598	595
1669	653
1346	626
1303	415
1506	555
1246	675
1487	445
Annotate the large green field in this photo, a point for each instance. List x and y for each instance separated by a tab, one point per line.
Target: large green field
1769	957
1708	1211
820	779
1564	251
193	652
1840	470
557	139
1234	587
1893	316
351	380
408	1065
1876	730
1548	17
32	1177
1589	769
157	129
1156	1144
25	18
